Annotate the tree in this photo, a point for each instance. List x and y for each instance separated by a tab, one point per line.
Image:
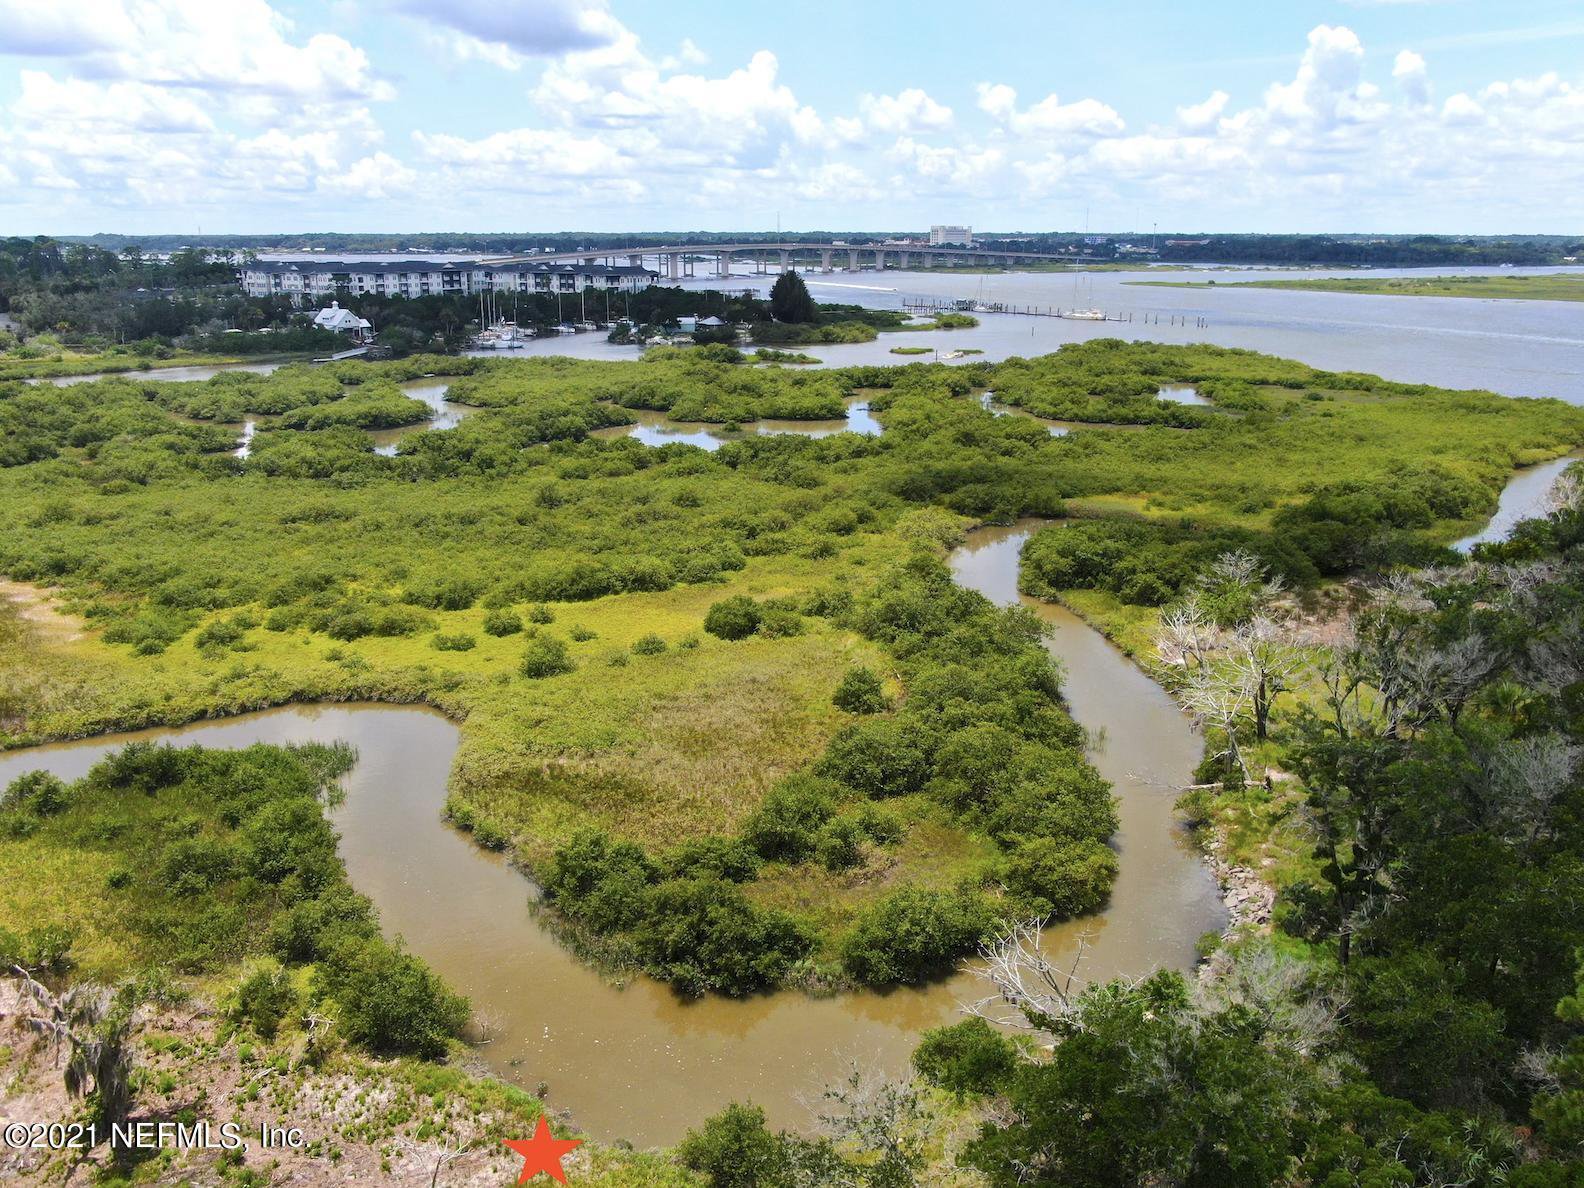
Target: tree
546	656
1560	1107
790	300
913	934
390	1001
1153	1081
97	1027
860	692
737	1150
736	617
967	1057
1265	659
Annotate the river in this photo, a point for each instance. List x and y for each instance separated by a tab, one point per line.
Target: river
1516	348
638	1062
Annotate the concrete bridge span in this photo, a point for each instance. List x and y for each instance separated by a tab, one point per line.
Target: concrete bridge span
679	261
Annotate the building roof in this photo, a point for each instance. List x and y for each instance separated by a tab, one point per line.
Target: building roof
336	318
386	267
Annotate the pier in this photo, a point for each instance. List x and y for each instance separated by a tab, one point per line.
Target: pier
944	305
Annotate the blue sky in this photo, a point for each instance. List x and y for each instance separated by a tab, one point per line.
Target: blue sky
1263	115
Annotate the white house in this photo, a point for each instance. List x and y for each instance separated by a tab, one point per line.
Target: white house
342	321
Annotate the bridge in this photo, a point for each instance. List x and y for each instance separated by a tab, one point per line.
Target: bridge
677	262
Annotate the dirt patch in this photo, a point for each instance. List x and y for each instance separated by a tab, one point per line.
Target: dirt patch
37	608
362	1121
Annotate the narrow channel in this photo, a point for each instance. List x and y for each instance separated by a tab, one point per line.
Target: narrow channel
638	1062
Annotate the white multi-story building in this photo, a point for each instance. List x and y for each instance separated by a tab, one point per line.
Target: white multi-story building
313	279
942	235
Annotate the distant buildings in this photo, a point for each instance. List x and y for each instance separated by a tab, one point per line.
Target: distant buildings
317	279
942	235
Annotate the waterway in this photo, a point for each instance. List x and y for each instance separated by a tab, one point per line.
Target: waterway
656	429
1516	348
168	374
1526	496
447	415
638	1062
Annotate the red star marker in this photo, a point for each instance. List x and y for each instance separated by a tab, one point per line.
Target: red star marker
542	1153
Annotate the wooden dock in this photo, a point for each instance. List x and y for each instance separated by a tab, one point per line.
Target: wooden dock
941	305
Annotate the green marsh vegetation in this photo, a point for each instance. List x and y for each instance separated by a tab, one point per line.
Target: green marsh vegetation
1414	1016
1554	287
192	861
201	583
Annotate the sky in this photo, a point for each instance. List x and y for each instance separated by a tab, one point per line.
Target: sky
259	116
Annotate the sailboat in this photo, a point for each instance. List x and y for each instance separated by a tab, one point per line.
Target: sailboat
496	332
1089	314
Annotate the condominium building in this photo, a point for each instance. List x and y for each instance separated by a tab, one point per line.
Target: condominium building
942	235
314	279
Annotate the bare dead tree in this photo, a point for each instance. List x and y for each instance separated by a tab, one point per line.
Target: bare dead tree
1439	680
1567	492
1336	664
1218	696
1525	779
1554	658
879	1117
1277	989
1186	634
1265	658
1242	571
1041	995
444	1156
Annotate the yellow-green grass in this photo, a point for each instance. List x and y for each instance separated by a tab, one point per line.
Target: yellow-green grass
43	885
662	748
1553	287
933	853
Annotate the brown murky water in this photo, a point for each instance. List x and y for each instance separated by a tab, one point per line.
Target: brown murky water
638	1062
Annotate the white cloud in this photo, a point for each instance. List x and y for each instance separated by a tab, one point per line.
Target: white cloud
1327	89
63	30
376	176
68	105
1460	109
1050	117
504	33
1198	116
232	106
237	46
1412	76
184	102
911	111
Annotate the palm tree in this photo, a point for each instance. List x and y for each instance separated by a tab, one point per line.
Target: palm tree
97	1026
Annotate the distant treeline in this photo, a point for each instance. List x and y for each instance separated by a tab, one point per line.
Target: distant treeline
1176	246
1394	251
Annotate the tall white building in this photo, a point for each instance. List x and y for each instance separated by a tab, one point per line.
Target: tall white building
942	235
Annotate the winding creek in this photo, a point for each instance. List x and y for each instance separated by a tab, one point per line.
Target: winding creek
656	429
638	1062
1526	496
